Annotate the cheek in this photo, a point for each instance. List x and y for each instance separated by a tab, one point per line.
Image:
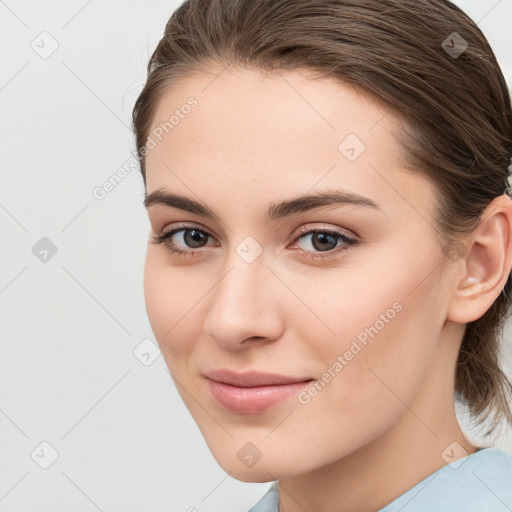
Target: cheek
386	320
373	368
385	340
171	303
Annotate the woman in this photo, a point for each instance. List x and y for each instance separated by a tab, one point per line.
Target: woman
331	244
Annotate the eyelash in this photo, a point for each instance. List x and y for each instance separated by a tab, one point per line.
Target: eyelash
350	242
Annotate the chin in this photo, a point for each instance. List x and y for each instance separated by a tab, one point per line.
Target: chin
254	478
262	468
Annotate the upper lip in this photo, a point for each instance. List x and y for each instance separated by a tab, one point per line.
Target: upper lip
252	378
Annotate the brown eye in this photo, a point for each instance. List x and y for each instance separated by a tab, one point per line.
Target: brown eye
184	240
194	238
324	243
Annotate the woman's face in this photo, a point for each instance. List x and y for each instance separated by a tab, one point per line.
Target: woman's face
359	328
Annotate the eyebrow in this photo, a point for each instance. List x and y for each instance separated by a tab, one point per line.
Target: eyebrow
275	211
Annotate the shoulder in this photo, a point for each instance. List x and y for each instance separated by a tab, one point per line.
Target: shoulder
269	502
481	481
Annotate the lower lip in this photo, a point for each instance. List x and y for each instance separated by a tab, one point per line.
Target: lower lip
252	400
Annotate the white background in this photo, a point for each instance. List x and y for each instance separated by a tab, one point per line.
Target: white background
68	374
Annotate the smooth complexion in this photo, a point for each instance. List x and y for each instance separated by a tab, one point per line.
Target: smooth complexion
383	422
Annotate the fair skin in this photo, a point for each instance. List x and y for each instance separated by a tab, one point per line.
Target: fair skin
383	422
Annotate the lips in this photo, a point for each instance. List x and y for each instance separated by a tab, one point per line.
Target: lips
252	392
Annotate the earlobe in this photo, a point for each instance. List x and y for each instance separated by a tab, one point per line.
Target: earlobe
487	264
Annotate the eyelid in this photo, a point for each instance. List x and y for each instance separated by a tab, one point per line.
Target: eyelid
184	225
306	228
309	227
348	240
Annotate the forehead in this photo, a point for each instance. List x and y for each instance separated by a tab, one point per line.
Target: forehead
243	105
268	133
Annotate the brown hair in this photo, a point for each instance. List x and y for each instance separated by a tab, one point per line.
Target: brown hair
453	101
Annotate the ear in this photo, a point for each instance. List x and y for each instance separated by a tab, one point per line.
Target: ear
486	264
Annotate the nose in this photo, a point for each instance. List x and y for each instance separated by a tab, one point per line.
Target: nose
244	305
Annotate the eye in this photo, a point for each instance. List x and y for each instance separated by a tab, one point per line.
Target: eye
187	240
325	241
192	237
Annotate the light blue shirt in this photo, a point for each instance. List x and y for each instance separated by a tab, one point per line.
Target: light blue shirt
480	482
